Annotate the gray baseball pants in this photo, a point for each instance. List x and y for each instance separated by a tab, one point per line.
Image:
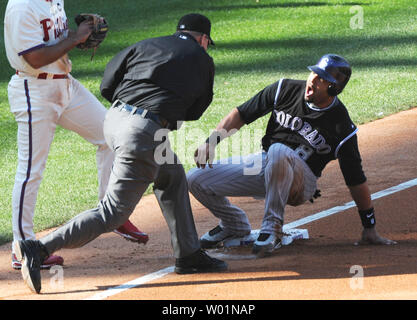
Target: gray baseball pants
279	175
131	137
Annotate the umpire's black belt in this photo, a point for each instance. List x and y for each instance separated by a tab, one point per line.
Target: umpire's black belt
142	112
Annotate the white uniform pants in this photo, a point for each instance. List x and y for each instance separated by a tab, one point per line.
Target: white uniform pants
39	106
281	177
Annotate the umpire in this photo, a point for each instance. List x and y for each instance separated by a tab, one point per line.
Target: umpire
152	85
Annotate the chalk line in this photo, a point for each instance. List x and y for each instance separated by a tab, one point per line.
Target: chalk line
320	215
132	284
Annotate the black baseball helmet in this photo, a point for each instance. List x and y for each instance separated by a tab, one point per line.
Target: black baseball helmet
335	69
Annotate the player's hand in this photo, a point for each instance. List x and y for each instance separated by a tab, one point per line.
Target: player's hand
371	236
204	153
83	32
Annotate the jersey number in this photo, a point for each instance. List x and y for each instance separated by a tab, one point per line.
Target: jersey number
304	152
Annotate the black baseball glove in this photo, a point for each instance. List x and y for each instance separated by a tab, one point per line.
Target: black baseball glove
100	28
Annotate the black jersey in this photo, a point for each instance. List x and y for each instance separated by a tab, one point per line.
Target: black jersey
171	76
317	135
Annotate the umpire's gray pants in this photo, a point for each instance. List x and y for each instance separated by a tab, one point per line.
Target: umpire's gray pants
131	137
279	175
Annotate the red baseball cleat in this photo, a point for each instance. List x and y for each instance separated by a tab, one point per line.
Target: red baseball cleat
47	263
131	233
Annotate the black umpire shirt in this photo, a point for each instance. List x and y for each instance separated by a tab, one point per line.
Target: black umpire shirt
171	76
317	135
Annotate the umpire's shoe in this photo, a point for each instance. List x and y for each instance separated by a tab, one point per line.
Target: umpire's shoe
31	253
199	262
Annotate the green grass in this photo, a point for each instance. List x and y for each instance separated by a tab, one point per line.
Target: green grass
256	44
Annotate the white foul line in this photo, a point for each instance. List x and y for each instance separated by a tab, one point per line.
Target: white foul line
351	204
161	273
132	284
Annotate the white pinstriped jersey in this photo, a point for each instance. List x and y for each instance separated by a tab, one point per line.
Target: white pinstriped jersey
33	24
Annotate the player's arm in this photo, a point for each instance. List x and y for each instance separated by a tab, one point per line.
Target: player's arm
362	197
48	54
350	164
254	108
229	125
226	127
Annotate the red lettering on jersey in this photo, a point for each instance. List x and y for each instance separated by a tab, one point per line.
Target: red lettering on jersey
46	25
60	27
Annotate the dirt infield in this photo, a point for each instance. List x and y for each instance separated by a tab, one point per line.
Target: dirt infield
322	267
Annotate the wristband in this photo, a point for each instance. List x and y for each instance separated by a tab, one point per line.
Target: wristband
367	218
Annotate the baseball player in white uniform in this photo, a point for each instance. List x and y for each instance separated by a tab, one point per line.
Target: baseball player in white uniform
42	94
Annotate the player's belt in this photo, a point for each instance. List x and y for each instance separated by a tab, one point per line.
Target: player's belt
45	75
142	112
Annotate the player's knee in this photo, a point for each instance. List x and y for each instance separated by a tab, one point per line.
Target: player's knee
191	179
194	180
278	154
277	149
110	216
279	162
35	177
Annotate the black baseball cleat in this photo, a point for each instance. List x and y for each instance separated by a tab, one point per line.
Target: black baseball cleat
199	262
30	253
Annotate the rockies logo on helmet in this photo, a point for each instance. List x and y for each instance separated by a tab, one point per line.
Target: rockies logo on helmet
335	69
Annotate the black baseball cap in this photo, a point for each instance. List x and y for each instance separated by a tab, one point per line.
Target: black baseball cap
195	22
